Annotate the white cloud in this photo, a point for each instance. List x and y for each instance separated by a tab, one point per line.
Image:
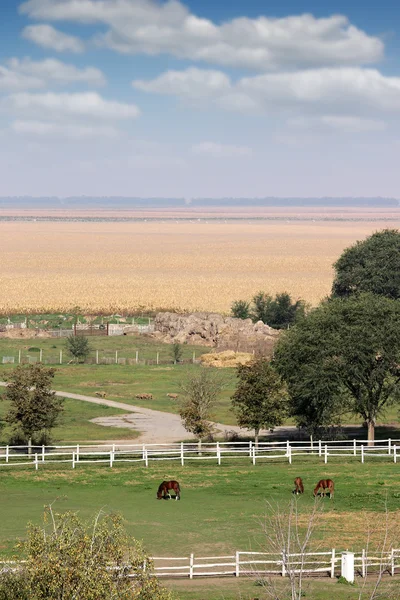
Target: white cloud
47	36
11	80
336	91
221	150
193	83
88	105
71	131
346	124
153	27
51	70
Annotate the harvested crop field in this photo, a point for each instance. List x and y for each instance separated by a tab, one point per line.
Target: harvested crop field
185	265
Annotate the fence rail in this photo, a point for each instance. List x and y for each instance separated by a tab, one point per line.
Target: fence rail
256	564
218	452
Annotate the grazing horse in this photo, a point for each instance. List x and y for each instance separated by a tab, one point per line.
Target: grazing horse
164	489
299	487
325	484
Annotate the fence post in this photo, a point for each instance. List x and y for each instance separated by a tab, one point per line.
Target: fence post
348	566
326	454
287	447
7	453
19	357
254	455
333	563
362	453
389	446
363	565
60	357
191	566
40	355
116	357
111	458
392	563
355	447
395	454
43	452
194	357
182	454
97	357
237	564
283	564
218	453
250	448
158	358
36	462
319	448
77	453
73	460
146	458
290	454
137	356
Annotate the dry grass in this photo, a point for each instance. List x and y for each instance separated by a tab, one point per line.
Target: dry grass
226	359
122	266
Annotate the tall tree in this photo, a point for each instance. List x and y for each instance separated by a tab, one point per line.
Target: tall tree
261	399
34	407
344	357
200	392
372	265
78	347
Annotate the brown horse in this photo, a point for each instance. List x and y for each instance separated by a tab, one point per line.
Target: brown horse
299	487
164	489
325	484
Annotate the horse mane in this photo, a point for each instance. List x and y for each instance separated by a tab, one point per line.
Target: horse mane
161	486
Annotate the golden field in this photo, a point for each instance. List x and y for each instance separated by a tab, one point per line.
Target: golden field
53	266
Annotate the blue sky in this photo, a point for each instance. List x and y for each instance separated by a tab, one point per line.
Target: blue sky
199	98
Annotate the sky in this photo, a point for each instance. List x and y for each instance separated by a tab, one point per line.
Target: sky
200	98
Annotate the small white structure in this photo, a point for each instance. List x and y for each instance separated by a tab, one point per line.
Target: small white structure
348	566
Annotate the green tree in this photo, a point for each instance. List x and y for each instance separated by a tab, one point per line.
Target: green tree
200	392
241	309
176	352
67	559
261	399
372	265
78	347
343	358
34	407
279	312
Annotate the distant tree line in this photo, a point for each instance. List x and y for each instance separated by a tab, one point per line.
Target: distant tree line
278	312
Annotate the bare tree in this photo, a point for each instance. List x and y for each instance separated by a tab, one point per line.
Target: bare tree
200	392
290	535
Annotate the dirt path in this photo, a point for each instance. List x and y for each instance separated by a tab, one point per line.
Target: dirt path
154	426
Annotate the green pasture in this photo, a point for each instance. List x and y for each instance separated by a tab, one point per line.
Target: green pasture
122	382
222	508
249	589
125	345
75	425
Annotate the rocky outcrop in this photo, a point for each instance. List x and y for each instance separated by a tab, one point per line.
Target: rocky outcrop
213	329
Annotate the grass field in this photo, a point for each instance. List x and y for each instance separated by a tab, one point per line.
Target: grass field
115	267
221	510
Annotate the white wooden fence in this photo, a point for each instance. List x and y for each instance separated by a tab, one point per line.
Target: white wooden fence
217	452
259	564
248	564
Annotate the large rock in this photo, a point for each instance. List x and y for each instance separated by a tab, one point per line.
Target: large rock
212	329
